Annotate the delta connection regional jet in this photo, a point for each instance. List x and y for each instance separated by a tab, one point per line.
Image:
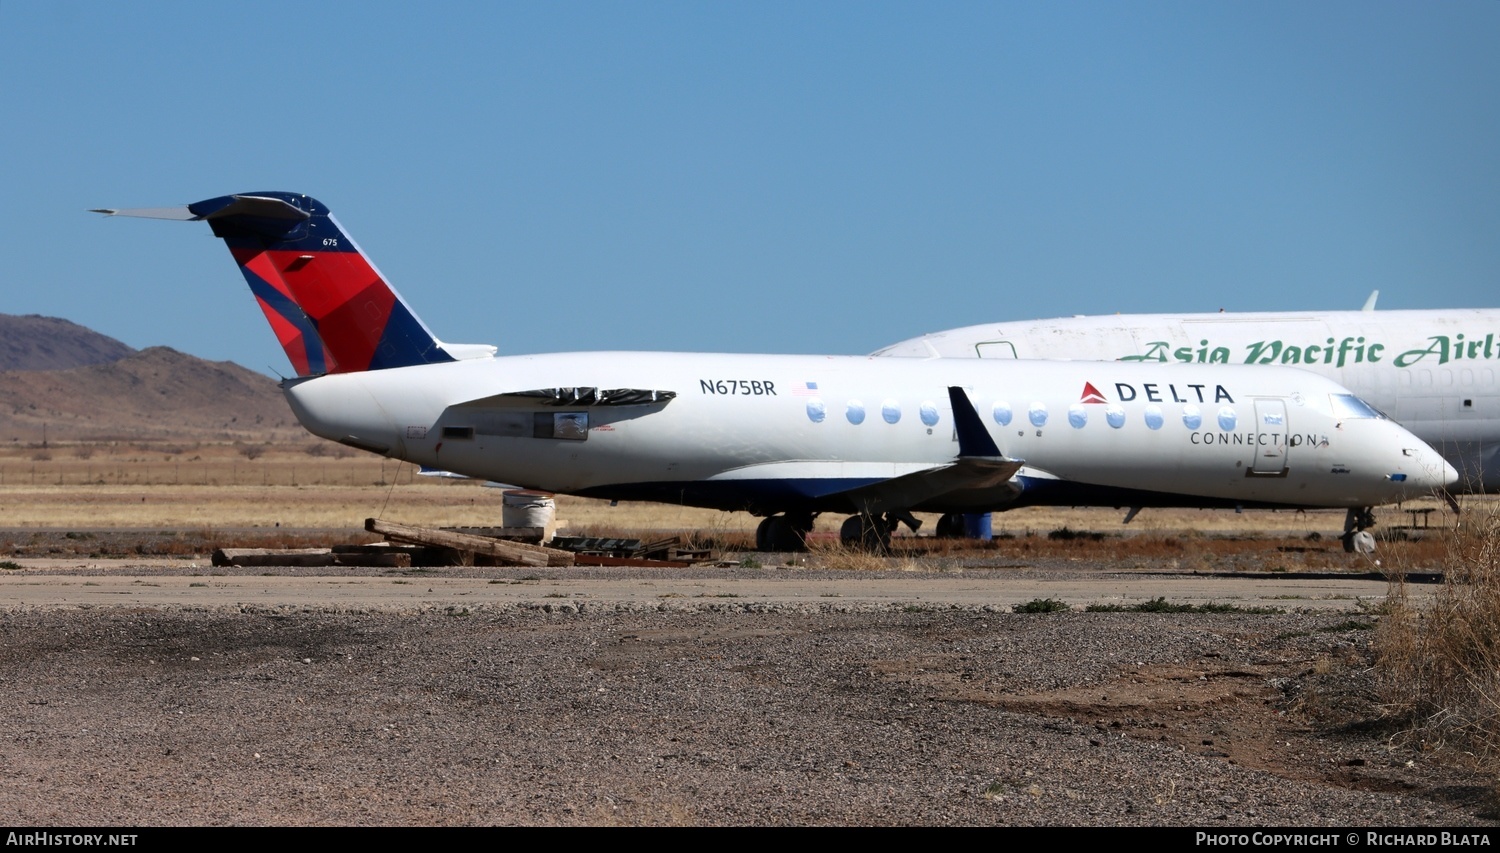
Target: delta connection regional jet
788	437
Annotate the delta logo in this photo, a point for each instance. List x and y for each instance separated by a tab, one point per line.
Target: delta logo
1091	394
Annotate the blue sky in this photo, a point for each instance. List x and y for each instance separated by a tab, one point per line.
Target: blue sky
756	177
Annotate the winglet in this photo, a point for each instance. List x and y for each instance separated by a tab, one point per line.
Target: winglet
973	438
1370	303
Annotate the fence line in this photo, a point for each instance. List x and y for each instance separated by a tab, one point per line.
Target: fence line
71	472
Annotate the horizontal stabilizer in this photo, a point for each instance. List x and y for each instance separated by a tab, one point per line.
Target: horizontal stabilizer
262	215
179	214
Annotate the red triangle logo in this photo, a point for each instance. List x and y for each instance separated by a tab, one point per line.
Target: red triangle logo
1091	394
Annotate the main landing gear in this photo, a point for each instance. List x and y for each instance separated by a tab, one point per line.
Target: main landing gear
872	531
866	531
784	532
1357	538
950	526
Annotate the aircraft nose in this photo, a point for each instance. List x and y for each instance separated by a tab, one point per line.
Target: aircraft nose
1422	469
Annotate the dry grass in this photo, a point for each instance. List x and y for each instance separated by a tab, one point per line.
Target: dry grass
311	485
1439	663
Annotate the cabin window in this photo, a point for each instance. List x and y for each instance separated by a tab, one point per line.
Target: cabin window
569	426
457	432
1038	414
1078	416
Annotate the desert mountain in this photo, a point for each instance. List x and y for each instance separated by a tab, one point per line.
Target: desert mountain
156	393
34	342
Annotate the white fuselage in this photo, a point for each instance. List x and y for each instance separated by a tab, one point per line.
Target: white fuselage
1435	371
772	433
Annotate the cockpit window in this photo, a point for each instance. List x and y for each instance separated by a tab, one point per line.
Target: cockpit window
1347	406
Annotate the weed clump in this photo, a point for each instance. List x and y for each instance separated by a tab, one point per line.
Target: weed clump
1042	605
1067	534
1438	663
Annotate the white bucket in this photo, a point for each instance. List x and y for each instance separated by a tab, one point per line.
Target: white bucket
524	508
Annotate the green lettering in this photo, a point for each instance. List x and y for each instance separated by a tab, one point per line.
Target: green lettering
1438	347
1155	351
1270	349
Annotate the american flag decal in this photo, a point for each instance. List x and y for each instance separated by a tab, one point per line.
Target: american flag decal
805	389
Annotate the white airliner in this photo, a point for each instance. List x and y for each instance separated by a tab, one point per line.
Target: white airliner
1435	371
789	436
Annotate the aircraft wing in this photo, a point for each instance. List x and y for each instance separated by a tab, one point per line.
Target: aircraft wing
980	465
909	490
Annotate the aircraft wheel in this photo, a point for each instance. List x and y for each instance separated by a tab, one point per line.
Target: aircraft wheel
799	525
1359	542
763	535
1356	524
866	533
950	526
782	534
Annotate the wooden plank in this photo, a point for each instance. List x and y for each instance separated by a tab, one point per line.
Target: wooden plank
376	548
660	546
519	534
516	552
243	557
391	559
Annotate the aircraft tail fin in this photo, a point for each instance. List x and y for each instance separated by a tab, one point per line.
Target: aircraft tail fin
330	308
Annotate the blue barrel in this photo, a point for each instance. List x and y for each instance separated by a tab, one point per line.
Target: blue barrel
977	526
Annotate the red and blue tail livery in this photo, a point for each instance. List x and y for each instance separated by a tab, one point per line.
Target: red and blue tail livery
330	308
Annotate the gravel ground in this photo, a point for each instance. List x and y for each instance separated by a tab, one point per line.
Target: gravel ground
714	714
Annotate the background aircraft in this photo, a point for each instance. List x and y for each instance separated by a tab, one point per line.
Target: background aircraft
1435	371
789	437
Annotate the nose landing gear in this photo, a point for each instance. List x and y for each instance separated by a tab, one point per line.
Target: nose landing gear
1356	537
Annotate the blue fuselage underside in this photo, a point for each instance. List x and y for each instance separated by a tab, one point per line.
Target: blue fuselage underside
767	497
